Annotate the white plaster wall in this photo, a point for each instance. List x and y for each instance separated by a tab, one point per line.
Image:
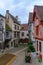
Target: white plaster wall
16	27
25	34
32	32
3	33
38	45
42	50
4	30
42	47
35	45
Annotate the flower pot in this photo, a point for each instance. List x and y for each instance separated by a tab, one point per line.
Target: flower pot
27	59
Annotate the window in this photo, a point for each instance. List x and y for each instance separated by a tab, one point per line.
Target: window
8	17
40	46
18	34
14	34
37	30
11	44
27	34
37	45
1	36
18	27
22	28
1	23
22	34
15	26
7	34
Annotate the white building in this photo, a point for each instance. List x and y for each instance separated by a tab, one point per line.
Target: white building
24	33
31	28
2	31
14	24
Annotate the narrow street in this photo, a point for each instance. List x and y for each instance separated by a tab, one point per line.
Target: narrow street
20	60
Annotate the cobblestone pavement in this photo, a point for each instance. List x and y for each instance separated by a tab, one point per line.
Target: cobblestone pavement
21	61
16	49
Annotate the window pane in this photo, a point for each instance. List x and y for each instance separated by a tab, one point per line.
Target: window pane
1	36
14	34
15	26
22	33
40	46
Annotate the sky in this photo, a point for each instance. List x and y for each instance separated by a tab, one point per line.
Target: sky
20	8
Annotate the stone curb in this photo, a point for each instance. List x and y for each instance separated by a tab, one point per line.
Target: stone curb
14	58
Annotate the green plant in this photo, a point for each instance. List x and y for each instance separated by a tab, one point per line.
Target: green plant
30	43
31	47
27	59
28	50
39	60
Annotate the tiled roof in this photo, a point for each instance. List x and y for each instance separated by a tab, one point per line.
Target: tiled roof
24	26
30	17
39	11
14	18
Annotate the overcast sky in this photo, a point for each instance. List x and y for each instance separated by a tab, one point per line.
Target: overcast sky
20	8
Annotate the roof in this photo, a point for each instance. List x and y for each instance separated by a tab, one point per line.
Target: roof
14	18
7	27
30	17
2	16
39	11
24	26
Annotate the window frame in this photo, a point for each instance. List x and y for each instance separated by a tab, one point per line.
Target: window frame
22	34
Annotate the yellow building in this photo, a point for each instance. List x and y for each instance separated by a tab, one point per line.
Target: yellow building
14	24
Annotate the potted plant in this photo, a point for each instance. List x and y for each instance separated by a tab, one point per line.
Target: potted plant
28	53
31	47
39	60
30	43
28	59
28	50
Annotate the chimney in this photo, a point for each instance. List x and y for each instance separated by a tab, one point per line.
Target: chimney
17	17
7	15
7	11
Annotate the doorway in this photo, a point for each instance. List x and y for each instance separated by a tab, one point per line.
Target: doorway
14	43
